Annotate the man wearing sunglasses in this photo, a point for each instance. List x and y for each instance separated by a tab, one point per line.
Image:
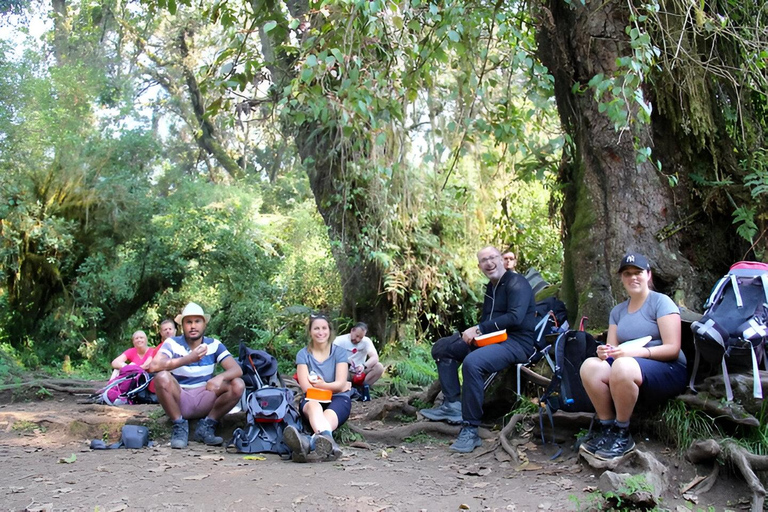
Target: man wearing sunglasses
509	306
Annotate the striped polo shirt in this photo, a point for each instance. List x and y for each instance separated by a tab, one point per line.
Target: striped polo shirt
194	375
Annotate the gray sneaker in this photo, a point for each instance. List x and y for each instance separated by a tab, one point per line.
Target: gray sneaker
326	447
297	442
449	412
180	434
206	433
468	440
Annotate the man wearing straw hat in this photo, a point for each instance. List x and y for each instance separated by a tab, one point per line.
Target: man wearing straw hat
186	387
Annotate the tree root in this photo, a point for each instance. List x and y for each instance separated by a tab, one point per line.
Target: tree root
715	408
504	436
748	463
427	396
381	409
398	434
736	456
71	386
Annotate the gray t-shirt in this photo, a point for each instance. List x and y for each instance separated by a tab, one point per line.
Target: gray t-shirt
642	322
326	369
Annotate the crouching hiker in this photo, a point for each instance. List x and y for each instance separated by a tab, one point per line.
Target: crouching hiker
322	369
186	387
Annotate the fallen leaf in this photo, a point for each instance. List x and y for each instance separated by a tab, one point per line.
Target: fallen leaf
360	444
481	485
69	460
195	477
384	454
464	506
254	457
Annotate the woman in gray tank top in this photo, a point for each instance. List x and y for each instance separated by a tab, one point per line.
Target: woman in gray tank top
641	360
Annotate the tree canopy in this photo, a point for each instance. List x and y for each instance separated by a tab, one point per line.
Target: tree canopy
268	158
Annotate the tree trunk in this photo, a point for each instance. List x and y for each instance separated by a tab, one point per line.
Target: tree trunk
320	150
360	279
613	204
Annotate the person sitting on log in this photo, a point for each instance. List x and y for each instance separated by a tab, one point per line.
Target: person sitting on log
650	367
508	305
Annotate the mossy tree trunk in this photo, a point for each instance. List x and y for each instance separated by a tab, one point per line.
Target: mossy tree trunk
613	203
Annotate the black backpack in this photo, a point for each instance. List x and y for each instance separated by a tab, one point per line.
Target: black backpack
566	391
258	367
733	330
270	410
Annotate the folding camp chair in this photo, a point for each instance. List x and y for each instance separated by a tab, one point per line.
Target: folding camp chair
541	350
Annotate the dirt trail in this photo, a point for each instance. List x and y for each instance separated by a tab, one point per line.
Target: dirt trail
38	439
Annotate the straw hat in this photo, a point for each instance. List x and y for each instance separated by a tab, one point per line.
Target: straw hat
192	309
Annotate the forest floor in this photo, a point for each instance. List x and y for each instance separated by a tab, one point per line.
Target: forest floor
47	465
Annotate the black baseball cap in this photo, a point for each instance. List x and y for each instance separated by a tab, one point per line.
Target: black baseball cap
634	259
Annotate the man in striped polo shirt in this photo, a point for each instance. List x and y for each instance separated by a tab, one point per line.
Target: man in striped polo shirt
186	387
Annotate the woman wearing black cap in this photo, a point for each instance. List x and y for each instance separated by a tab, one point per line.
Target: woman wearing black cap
642	360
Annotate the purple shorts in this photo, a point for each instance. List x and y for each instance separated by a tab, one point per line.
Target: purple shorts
196	402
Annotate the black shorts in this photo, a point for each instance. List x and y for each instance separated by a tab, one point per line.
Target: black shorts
340	403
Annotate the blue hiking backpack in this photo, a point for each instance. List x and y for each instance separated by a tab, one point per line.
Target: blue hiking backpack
269	411
733	330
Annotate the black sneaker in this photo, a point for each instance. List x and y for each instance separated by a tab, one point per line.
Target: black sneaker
596	440
206	433
326	447
180	434
297	442
621	444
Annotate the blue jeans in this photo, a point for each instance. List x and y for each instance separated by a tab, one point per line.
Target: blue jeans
478	363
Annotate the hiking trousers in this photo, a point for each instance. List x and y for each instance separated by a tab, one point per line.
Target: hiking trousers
478	363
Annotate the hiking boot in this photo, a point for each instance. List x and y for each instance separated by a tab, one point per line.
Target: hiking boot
596	440
206	432
326	447
297	442
620	444
180	434
449	412
468	440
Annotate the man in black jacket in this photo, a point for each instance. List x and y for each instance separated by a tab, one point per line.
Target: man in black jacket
508	305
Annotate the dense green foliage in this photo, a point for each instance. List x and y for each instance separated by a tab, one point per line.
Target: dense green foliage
116	213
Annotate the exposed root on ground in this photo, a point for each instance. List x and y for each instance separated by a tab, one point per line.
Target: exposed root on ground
399	434
735	456
504	436
380	409
72	386
715	407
